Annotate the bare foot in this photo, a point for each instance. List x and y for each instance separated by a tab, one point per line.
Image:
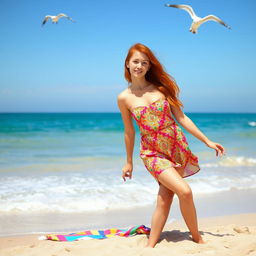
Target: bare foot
199	240
149	246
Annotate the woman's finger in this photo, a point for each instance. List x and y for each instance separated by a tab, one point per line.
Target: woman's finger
127	174
221	149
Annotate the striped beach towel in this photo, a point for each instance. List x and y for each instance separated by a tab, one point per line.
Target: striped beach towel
100	234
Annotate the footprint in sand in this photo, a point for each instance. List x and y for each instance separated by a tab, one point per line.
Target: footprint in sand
242	230
250	252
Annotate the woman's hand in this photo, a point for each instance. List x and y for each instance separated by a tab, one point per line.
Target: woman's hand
127	171
220	150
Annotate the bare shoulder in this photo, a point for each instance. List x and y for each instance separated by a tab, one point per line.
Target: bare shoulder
123	94
122	97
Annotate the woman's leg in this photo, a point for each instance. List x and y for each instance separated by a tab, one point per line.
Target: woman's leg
172	179
160	215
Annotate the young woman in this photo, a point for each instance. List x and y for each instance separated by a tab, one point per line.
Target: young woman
152	100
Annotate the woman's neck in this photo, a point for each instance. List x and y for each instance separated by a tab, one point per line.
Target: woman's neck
139	84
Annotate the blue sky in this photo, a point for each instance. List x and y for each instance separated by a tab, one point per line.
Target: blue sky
78	67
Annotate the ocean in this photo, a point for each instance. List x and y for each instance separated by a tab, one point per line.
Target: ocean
72	162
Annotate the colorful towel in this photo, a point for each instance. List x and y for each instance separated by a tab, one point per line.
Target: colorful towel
100	234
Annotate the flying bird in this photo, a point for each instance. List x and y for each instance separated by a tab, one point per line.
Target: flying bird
55	19
197	21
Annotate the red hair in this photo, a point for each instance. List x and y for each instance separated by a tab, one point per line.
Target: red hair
155	75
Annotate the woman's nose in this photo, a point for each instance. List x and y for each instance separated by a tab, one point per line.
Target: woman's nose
139	64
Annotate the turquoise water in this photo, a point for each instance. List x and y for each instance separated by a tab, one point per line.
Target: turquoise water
78	157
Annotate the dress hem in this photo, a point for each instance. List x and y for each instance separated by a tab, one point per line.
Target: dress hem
182	176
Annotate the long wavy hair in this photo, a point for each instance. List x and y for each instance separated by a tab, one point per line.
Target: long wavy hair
155	75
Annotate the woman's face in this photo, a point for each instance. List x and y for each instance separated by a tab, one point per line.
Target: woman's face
138	64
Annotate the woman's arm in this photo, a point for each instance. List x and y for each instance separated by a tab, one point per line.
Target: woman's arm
188	124
129	136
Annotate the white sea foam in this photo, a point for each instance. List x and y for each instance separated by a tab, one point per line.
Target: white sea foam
213	184
82	193
252	124
71	194
232	161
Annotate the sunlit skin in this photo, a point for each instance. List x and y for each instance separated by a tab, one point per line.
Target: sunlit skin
142	93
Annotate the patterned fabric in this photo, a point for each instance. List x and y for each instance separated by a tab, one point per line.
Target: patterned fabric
100	234
163	144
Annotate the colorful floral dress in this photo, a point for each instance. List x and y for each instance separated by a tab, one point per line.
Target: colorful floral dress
163	144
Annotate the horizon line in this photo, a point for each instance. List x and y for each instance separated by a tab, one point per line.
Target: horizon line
99	112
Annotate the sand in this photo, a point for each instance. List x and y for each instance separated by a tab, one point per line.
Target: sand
226	235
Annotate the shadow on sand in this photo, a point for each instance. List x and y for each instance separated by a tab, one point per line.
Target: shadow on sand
178	236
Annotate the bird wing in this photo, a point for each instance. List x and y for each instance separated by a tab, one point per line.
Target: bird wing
47	17
61	15
184	7
64	15
215	18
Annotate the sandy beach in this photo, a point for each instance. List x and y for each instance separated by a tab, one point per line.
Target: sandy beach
225	235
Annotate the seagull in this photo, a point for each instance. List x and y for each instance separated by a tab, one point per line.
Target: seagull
197	21
55	19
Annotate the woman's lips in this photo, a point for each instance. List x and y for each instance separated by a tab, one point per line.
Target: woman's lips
138	71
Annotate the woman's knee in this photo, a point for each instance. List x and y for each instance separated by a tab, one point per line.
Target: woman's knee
165	200
185	193
173	181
